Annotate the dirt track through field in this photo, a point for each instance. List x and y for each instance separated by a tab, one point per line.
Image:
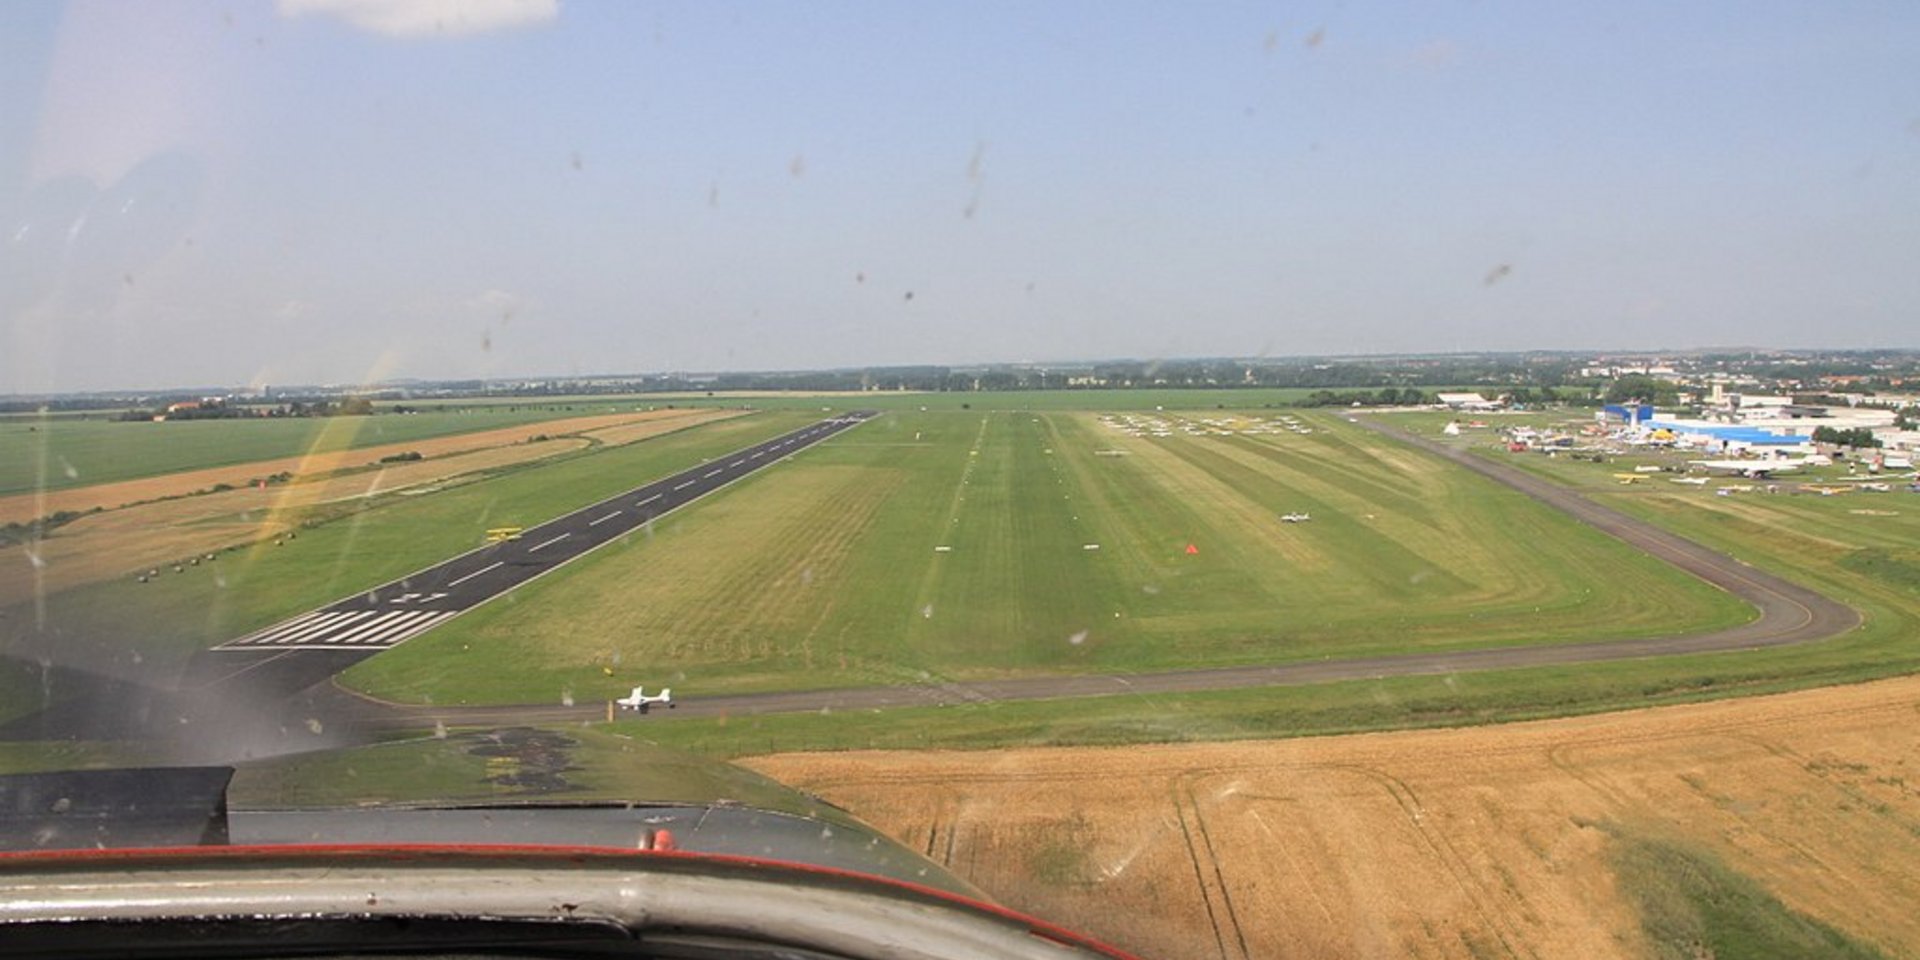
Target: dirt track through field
1447	843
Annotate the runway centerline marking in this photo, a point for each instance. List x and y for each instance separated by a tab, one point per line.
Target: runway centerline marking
549	542
610	516
648	500
712	473
491	566
683	486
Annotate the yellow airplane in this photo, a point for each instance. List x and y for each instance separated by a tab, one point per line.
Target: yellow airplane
499	534
1629	477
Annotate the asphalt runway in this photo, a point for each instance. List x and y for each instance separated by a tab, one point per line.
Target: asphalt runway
1787	614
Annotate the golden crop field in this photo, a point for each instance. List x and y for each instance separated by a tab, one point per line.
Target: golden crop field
1563	838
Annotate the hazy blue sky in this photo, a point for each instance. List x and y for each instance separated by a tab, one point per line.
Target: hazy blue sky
347	190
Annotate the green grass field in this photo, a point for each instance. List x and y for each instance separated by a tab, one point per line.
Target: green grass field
62	450
827	572
1863	549
154	627
1692	904
66	451
1005	400
1258	713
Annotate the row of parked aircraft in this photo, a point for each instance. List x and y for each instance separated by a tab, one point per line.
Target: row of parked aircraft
1761	469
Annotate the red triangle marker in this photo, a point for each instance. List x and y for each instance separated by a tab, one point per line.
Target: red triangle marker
1191	549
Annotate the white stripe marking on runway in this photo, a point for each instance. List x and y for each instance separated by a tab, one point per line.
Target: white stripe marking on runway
276	628
491	566
610	516
416	628
362	629
648	500
388	633
548	543
291	633
336	622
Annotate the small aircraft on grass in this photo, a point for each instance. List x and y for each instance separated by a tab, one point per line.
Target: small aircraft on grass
638	699
1761	469
1294	518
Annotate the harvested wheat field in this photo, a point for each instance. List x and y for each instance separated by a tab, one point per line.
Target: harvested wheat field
1603	836
23	507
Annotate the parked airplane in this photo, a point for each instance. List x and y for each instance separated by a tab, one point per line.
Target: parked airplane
638	699
1753	469
1629	477
1294	518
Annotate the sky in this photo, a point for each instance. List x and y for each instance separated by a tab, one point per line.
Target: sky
349	191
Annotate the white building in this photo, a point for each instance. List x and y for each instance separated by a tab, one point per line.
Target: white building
1467	401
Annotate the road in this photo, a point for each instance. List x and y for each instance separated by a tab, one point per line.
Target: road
1787	614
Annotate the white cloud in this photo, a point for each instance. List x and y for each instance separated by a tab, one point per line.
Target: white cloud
428	18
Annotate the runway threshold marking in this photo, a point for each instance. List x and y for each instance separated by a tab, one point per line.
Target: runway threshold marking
289	625
374	626
388	634
548	542
298	630
364	629
491	566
